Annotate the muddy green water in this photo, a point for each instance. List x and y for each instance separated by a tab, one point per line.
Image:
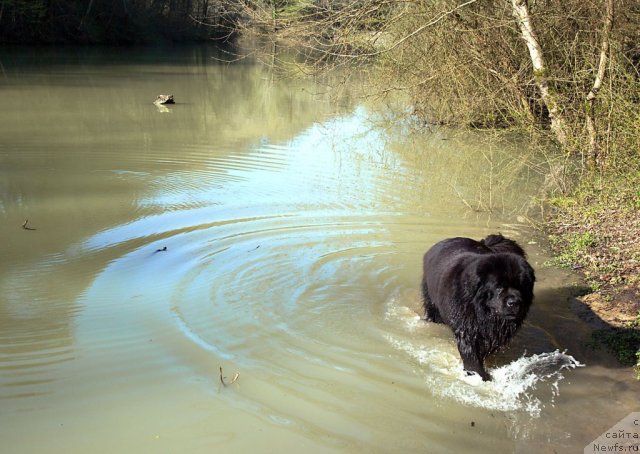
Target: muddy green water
294	226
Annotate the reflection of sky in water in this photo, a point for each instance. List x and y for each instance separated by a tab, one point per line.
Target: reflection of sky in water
307	169
328	166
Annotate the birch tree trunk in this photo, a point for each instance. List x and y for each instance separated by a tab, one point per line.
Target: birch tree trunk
595	156
521	13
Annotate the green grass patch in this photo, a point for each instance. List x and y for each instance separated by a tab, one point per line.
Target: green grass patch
562	202
623	342
572	246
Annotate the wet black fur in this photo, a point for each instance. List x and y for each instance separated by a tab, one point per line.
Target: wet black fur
481	289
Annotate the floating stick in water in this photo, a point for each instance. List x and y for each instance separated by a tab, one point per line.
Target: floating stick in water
235	378
24	225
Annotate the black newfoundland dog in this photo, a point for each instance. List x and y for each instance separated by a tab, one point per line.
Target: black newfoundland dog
481	289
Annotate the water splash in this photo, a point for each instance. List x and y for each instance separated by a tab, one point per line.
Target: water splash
526	384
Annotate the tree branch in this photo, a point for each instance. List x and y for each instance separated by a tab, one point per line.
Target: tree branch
521	13
594	152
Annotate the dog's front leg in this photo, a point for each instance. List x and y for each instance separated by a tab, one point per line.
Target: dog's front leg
472	360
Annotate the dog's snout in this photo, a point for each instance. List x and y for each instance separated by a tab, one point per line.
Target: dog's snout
512	301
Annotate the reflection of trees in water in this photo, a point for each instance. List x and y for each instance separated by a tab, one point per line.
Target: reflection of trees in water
495	178
476	172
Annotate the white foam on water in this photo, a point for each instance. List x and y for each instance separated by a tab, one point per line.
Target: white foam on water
526	384
411	320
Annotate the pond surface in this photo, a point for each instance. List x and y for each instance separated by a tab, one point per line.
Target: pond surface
294	225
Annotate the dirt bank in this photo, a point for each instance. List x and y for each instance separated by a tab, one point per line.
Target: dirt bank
596	234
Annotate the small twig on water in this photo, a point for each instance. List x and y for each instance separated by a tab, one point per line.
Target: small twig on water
235	378
24	225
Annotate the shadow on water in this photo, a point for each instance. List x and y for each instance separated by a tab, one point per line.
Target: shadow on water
71	58
560	321
620	340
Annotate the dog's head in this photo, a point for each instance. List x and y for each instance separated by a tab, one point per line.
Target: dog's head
505	285
505	302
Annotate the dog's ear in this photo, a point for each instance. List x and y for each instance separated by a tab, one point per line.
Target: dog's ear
528	275
527	278
472	283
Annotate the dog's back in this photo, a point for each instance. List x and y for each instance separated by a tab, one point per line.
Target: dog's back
498	243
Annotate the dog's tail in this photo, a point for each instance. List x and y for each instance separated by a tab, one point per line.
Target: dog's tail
498	243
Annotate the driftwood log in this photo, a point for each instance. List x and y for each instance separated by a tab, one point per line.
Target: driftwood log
164	99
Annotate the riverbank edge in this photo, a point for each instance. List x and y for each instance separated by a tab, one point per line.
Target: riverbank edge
593	231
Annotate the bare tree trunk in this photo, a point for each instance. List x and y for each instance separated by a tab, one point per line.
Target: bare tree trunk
521	13
595	157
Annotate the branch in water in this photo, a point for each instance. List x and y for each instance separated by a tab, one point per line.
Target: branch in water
24	225
235	378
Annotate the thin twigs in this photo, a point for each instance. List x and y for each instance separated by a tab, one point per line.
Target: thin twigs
24	225
235	378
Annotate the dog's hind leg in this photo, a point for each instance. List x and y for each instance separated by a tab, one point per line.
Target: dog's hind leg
431	313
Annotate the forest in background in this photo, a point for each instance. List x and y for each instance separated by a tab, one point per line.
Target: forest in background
566	73
112	21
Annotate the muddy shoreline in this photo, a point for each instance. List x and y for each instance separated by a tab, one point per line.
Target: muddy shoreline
599	243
